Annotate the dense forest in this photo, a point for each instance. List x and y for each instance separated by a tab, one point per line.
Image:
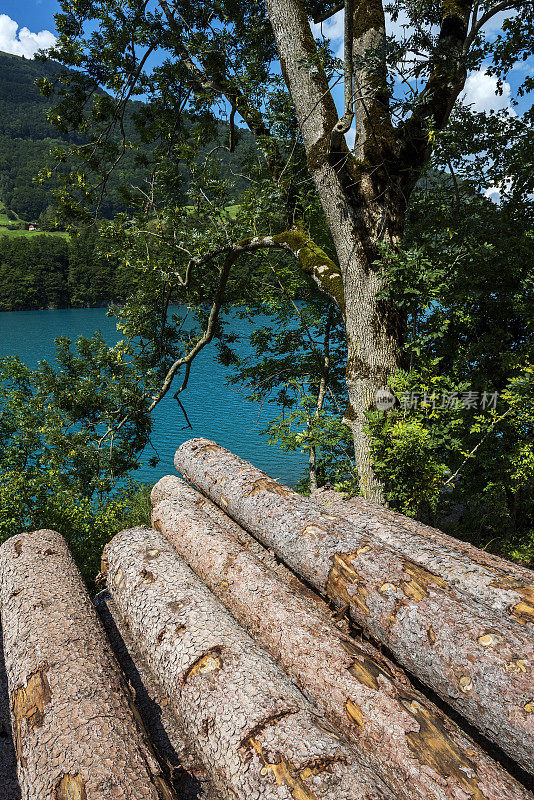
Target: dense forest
52	271
27	140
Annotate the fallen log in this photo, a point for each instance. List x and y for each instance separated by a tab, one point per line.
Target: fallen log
74	731
422	754
183	771
505	587
325	496
476	661
171	486
256	734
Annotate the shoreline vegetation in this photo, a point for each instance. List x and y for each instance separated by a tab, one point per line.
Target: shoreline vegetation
53	271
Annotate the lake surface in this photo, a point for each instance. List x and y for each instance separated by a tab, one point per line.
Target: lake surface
216	411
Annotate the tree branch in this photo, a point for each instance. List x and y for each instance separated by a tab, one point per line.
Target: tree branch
342	126
478	24
433	107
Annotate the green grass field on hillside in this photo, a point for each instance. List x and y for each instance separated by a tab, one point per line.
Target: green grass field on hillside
19	233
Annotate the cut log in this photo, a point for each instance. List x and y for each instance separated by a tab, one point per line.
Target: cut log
476	661
184	772
325	496
422	754
254	731
9	785
171	486
504	587
75	733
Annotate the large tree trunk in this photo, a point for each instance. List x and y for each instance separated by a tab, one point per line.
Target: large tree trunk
373	357
364	201
75	734
358	690
500	586
475	660
183	770
255	732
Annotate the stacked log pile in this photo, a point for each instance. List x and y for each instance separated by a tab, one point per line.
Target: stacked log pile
502	586
251	726
231	666
396	730
183	770
476	659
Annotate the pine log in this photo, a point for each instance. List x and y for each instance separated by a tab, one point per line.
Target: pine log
505	587
75	734
171	486
256	734
325	496
9	785
476	661
183	770
422	754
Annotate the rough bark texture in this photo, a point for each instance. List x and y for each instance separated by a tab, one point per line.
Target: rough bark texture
9	785
173	487
476	661
365	194
500	586
255	732
421	754
75	734
326	496
185	773
363	203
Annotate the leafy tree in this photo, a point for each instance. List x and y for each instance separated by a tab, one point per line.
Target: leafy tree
55	468
399	95
460	437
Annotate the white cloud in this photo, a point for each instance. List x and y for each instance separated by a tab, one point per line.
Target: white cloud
481	92
496	192
332	28
22	42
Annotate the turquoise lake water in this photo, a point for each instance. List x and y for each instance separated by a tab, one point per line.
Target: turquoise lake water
215	410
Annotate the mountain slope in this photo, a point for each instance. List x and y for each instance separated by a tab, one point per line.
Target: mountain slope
26	139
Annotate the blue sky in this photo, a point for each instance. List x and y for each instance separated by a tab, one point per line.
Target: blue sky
26	25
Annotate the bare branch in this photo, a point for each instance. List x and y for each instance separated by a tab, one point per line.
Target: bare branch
322	16
478	24
473	451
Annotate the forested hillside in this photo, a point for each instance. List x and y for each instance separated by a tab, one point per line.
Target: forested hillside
26	139
59	271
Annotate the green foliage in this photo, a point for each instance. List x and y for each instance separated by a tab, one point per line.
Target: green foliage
36	500
27	139
58	468
56	417
458	447
324	433
462	278
43	270
405	458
